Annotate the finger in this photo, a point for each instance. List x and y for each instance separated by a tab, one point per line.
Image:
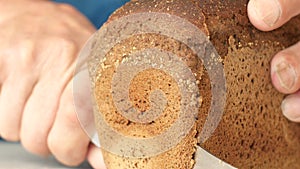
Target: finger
268	15
41	108
14	93
39	115
95	157
291	107
67	141
285	70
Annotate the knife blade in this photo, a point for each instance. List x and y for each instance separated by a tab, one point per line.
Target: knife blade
205	160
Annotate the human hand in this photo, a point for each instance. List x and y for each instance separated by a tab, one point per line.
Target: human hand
268	15
39	42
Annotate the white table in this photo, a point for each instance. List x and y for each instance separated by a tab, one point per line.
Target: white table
13	156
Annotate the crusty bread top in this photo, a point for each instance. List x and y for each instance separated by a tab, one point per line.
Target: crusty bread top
253	132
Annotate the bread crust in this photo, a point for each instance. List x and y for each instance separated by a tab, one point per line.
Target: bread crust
253	133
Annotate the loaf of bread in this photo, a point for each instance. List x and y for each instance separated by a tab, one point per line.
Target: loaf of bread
252	132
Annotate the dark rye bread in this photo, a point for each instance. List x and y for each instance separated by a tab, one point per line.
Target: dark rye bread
253	132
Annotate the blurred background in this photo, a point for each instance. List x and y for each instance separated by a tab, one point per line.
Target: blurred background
12	155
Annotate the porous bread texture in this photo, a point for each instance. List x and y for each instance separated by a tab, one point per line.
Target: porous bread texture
180	156
253	132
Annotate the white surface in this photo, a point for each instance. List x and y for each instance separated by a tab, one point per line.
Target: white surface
13	156
205	160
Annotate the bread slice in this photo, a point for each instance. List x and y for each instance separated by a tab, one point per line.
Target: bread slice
252	132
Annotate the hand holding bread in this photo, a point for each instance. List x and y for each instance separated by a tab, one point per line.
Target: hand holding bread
39	42
268	15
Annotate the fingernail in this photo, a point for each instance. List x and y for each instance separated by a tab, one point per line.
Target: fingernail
286	75
268	10
288	109
283	107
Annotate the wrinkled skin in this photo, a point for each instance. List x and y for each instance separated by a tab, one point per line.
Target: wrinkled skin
268	15
39	43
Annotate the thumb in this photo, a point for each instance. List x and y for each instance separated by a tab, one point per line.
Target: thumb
268	15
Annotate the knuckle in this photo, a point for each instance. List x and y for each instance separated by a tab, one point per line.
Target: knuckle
72	119
26	52
20	53
63	47
66	44
68	8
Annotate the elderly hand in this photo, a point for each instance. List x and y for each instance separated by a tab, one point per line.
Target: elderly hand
39	43
268	15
